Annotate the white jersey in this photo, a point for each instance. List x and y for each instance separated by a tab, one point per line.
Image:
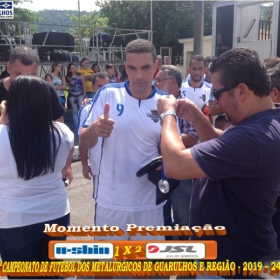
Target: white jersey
95	152
132	144
40	199
199	96
82	115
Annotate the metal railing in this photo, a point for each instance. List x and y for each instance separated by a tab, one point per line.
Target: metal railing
264	30
21	35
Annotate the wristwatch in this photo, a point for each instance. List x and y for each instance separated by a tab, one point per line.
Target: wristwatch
167	113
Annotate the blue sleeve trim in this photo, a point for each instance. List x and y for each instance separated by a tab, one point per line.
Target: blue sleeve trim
93	102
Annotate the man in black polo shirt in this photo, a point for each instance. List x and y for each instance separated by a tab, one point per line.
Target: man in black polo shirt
23	61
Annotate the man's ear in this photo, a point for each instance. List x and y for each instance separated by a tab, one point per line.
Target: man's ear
275	95
242	91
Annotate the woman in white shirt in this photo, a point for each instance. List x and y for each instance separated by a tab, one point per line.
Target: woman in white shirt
34	153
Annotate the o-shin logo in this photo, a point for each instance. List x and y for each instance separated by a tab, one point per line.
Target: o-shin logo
6	10
83	250
175	250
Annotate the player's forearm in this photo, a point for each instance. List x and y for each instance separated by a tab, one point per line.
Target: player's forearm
84	156
88	138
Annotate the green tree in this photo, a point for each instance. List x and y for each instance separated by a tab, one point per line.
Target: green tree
87	22
94	19
169	23
54	17
25	15
266	12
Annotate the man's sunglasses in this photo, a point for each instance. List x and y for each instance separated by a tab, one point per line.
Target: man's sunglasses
217	93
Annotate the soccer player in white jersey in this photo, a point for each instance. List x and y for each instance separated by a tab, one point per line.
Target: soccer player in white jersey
194	88
125	117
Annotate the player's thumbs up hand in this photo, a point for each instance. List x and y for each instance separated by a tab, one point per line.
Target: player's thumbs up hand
104	126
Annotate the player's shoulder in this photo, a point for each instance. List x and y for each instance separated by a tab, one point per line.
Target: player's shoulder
87	106
207	85
109	90
185	84
113	86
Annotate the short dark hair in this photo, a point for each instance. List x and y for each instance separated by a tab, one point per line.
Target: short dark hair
83	59
100	75
242	65
108	66
141	46
24	54
270	62
196	58
208	60
274	77
173	72
30	126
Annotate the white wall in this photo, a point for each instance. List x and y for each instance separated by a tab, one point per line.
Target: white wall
188	50
247	14
263	48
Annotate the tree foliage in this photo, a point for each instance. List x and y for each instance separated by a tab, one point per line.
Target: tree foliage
266	12
60	20
25	15
92	20
169	23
